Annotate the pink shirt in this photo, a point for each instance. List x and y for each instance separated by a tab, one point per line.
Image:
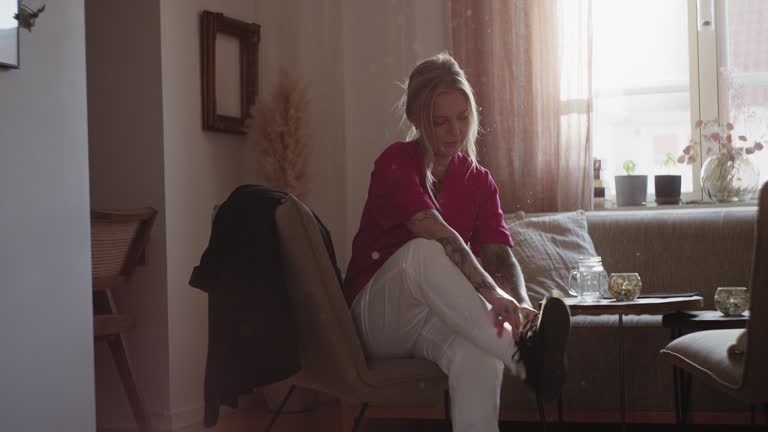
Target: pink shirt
469	203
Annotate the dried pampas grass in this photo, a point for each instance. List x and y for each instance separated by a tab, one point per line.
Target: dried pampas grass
279	131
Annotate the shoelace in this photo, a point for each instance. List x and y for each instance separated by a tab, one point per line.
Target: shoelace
527	337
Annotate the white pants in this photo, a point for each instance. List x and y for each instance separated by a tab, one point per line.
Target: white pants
419	304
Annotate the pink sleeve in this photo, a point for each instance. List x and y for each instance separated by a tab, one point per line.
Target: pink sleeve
395	193
490	227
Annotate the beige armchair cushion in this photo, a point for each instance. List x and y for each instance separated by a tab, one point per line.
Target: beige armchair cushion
331	353
706	354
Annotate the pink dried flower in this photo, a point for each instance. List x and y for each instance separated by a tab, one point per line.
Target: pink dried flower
717	139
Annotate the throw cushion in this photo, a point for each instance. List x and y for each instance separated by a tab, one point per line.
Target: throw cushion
548	248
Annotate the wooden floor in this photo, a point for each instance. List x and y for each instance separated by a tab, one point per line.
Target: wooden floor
325	417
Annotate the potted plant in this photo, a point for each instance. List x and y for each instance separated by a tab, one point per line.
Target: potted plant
668	185
631	189
727	175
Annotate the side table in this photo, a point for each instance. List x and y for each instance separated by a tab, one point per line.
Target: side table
640	306
693	321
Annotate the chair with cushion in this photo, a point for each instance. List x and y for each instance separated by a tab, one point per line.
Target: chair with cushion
332	357
118	240
705	355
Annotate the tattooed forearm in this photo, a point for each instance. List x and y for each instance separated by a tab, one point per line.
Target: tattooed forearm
501	264
459	253
455	251
430	225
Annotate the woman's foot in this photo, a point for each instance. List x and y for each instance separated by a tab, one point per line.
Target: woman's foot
542	347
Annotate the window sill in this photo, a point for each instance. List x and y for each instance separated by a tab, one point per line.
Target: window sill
685	205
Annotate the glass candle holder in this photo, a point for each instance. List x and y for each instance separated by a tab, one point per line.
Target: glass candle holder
624	286
732	301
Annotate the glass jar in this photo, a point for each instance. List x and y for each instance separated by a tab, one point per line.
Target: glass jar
591	280
729	177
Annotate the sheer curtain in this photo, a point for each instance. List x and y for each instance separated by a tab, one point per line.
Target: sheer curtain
529	62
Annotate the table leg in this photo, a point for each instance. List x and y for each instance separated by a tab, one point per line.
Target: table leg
622	394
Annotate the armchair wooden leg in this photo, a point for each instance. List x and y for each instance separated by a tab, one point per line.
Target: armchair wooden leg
685	397
542	417
280	408
120	355
447	405
359	418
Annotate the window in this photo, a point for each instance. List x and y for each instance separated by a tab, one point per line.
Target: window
744	71
657	67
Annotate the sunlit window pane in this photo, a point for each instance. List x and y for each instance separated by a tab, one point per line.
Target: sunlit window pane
641	96
745	74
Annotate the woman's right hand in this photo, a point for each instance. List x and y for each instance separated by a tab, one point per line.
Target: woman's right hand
505	309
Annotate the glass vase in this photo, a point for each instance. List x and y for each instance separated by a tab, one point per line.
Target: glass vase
726	178
732	301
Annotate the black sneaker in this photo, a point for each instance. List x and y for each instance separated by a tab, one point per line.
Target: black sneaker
542	347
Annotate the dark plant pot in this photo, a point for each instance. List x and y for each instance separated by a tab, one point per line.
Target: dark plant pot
668	188
631	190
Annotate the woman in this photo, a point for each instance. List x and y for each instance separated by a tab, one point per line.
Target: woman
414	286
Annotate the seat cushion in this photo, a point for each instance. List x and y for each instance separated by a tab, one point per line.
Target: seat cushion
705	354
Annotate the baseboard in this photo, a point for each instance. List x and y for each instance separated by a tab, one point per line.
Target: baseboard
570	416
162	421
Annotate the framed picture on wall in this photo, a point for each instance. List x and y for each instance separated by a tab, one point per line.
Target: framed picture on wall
229	61
9	34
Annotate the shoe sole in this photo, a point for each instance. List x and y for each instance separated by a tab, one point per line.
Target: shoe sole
554	327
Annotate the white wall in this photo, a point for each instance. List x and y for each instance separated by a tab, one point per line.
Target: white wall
46	365
201	168
352	53
305	36
126	155
383	41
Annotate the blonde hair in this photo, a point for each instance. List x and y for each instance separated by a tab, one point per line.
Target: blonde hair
428	79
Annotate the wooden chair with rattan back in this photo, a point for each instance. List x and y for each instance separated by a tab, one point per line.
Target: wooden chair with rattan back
118	240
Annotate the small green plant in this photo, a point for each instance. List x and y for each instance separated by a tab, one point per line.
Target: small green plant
629	167
669	162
